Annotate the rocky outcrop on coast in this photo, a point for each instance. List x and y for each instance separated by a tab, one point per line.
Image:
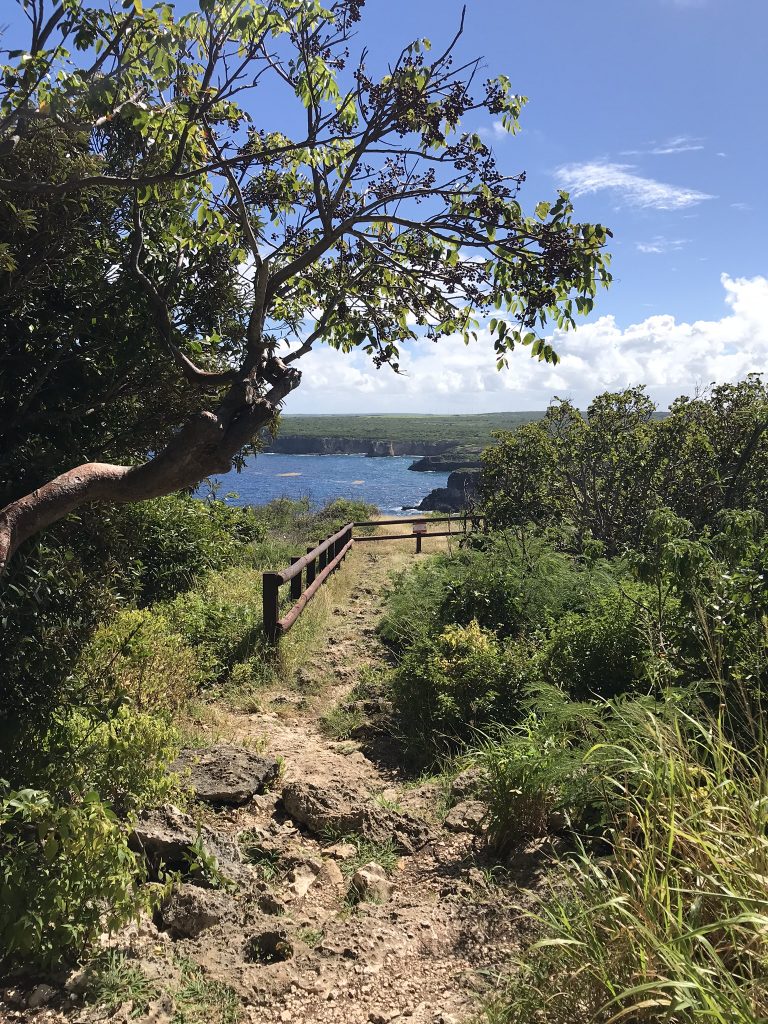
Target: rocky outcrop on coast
448	462
455	496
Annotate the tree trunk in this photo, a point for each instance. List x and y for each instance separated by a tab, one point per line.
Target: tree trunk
205	445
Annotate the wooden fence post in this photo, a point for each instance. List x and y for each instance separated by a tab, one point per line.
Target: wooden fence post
295	582
312	567
270	603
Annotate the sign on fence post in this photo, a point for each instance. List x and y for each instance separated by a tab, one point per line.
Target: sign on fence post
419	529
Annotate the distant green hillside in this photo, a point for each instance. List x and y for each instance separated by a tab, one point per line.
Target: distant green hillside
470	430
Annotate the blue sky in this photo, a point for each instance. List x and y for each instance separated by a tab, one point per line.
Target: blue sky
652	114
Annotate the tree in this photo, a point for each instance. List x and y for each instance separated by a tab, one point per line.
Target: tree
605	474
374	221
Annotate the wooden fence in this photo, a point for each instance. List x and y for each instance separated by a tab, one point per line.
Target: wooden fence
307	573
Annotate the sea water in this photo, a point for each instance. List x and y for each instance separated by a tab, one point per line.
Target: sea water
385	482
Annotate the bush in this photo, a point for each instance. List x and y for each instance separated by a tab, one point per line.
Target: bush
221	620
125	759
121	753
537	768
176	540
60	587
65	873
601	653
301	519
459	681
138	656
509	585
51	600
414	601
513	585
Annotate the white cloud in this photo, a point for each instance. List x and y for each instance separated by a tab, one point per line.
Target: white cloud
633	189
496	131
672	357
659	244
678	144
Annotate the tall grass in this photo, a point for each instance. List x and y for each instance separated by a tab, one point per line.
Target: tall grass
672	925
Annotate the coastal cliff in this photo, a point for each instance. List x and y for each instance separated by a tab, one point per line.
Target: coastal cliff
298	444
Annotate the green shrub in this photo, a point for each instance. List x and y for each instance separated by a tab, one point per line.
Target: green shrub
300	519
178	539
51	599
601	653
509	585
59	588
512	585
221	620
65	873
120	753
464	679
139	656
415	599
125	759
537	768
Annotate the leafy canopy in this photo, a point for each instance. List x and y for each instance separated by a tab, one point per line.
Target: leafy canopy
372	218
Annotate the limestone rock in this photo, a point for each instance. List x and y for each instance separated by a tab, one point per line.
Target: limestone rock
301	877
341	851
41	995
330	875
468	816
166	835
323	809
225	774
271	904
370	883
190	910
458	493
471	783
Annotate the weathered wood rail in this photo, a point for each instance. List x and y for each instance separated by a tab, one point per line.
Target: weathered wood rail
420	530
307	573
318	564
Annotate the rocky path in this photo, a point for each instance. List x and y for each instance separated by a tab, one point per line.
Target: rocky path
356	894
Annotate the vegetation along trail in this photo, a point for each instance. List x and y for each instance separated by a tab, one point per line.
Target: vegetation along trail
419	941
352	892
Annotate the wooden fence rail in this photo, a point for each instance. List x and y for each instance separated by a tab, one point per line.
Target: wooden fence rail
317	565
307	573
419	530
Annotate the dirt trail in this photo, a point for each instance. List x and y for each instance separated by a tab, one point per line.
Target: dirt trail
447	933
289	940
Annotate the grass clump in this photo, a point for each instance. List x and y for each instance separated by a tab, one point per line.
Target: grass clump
266	861
341	721
200	1000
672	925
366	852
113	979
